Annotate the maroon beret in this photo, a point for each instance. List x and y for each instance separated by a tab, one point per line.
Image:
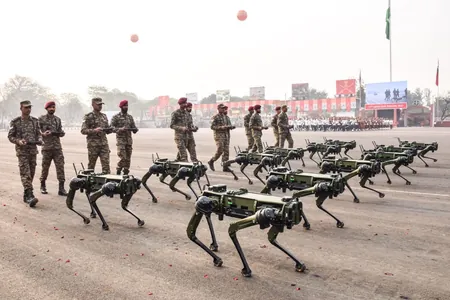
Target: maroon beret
123	103
278	108
182	100
49	103
250	108
257	106
189	104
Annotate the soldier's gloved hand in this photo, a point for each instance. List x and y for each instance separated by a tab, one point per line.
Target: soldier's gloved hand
98	129
135	130
21	142
121	129
62	133
47	133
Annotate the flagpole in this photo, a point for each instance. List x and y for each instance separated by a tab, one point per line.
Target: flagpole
390	43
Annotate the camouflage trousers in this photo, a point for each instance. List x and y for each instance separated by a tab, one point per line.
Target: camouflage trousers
182	149
286	136
27	169
251	143
223	149
124	152
277	138
103	152
190	146
58	159
258	143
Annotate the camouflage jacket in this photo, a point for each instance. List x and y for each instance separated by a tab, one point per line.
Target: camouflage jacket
179	119
190	134
255	123
283	123
248	130
91	121
121	120
53	124
274	123
26	129
228	122
217	121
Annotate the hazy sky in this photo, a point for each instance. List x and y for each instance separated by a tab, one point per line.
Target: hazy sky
200	46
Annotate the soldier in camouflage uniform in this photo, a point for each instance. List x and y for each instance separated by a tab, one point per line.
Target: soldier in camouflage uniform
274	125
51	130
25	134
95	128
221	137
284	128
121	124
257	126
190	144
228	122
248	130
179	123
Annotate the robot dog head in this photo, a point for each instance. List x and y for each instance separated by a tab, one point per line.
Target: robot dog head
204	205
376	167
77	183
156	169
327	167
109	188
273	182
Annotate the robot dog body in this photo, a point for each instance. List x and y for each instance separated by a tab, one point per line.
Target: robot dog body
177	170
95	185
287	154
252	209
423	149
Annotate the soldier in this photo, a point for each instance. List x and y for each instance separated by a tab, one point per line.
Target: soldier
257	126
51	130
221	129
274	125
95	128
179	123
228	122
190	141
25	134
284	128
248	130
123	124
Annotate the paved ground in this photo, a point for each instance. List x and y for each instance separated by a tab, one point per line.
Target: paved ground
391	248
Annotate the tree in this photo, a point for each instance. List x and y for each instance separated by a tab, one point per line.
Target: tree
20	88
443	104
112	97
210	99
71	109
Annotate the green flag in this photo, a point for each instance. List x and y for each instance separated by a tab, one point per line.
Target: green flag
388	23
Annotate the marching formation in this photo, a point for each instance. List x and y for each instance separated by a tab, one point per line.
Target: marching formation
276	213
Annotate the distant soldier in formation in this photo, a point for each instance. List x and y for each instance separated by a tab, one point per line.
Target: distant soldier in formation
51	130
274	125
221	137
123	124
25	134
248	130
190	141
179	123
93	127
284	128
257	126
228	122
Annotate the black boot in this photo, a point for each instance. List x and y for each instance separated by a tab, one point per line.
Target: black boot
118	171
126	171
29	198
43	187
211	165
61	190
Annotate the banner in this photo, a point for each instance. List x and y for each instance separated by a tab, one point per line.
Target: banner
258	93
223	96
346	87
300	91
192	97
386	95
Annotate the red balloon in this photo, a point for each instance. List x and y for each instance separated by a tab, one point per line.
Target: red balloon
134	38
242	15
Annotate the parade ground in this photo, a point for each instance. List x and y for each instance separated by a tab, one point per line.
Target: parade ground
396	247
